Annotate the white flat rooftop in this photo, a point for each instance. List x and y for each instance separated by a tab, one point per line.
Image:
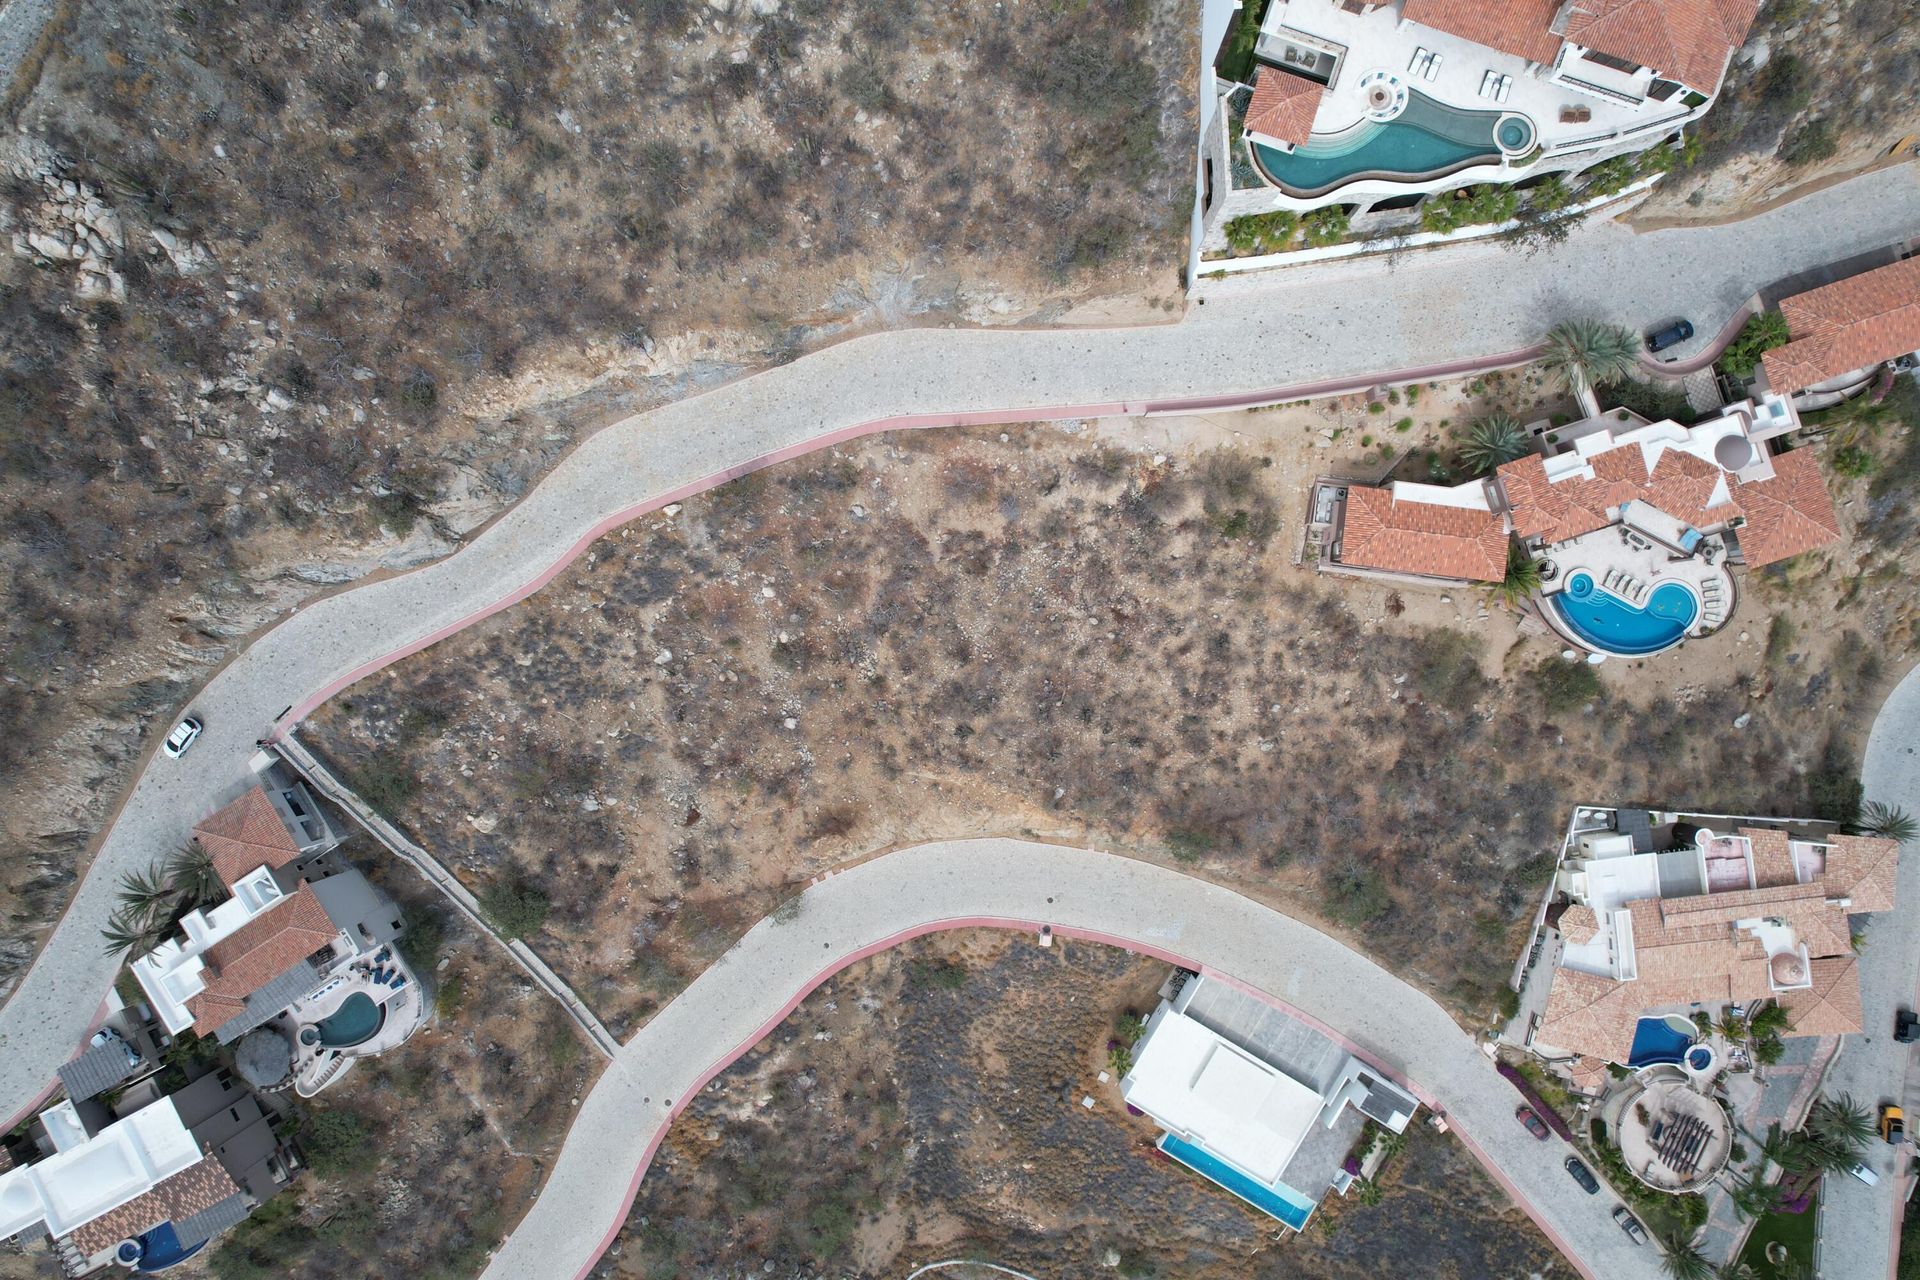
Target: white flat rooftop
171	974
126	1159
1220	1097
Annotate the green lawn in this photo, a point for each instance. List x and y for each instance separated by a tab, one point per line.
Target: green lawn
1794	1230
1909	1268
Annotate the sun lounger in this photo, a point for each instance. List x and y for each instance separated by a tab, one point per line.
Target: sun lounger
1432	68
1418	62
1488	83
1506	87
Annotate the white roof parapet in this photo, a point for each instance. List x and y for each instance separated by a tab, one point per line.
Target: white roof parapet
78	1184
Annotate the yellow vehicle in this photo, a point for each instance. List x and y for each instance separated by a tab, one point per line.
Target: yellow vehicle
1893	1124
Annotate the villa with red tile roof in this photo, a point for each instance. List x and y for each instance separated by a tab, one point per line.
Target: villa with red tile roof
301	946
1841	332
1615	509
1664	915
1342	100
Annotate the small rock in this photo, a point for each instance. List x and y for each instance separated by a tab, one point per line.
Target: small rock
485	823
790	723
1744	637
380	80
278	400
671	509
859	512
663	657
767	592
166	239
1742	720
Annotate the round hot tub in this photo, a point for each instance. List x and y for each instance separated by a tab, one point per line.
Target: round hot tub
1514	134
1701	1060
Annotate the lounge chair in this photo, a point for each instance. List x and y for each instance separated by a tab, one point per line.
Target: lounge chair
1488	83
1417	63
1432	68
1506	87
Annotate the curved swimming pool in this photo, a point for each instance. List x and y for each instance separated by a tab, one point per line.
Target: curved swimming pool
1605	622
1425	140
354	1022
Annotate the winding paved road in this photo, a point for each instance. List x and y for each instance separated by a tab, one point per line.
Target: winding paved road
1291	335
1859	1224
1018	884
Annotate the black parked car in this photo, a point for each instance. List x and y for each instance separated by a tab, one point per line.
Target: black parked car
1670	336
1906	1027
1583	1175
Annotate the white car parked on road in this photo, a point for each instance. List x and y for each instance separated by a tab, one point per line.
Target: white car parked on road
181	738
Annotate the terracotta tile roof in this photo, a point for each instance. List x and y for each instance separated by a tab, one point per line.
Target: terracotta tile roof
1847	325
1578	924
1589	1074
1518	27
1422	537
1831	1006
1788	514
1772	858
1824	930
1862	868
1283	105
246	835
1555	512
1685	40
257	953
188	1192
1685	487
1597	1016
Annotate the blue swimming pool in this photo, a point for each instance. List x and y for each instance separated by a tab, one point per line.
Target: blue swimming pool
1656	1040
1426	139
1605	622
156	1250
1281	1202
354	1022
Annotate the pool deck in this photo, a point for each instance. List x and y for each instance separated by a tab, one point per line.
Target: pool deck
1603	554
316	1066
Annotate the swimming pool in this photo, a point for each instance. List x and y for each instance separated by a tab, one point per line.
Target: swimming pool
156	1250
354	1022
1656	1040
1281	1202
1425	140
1605	622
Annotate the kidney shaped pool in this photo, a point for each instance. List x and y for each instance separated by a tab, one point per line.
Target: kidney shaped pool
1605	622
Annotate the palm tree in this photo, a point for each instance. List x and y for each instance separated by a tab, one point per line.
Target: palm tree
1778	1146
191	873
1770	1020
1751	1197
1842	1123
1523	576
1587	353
145	895
1680	1260
133	936
1494	439
1889	821
1732	1027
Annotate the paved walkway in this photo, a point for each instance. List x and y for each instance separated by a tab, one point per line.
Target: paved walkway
1082	894
1297	334
1860	1224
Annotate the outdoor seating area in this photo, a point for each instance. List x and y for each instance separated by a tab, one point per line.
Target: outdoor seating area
1673	1137
369	1008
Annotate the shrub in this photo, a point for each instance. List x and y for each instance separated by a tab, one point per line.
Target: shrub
1446	668
1811	142
1469	206
1262	232
1780	637
1760	334
1186	844
337	1144
1852	461
515	907
1357	896
387	780
1328	226
1565	686
1610	177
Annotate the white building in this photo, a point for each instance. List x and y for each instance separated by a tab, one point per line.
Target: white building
1374	105
1257	1101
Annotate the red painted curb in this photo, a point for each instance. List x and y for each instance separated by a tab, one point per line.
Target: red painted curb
676	1106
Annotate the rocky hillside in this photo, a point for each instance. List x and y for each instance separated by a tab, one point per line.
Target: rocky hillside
298	289
1822	87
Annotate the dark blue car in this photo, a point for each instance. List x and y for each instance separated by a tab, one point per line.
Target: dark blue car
1672	335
